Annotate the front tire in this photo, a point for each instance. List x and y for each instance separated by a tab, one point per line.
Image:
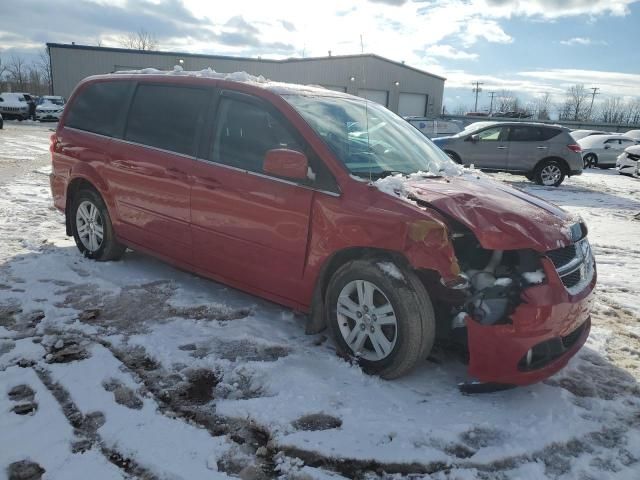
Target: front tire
92	228
549	173
387	323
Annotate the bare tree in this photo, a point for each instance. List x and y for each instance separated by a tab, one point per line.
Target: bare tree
43	65
140	40
576	105
613	110
633	112
542	106
17	72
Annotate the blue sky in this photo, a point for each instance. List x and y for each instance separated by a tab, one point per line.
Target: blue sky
525	46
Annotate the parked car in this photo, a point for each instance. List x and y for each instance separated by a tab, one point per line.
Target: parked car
50	107
1	122
328	204
628	162
603	150
635	134
580	134
434	127
511	114
543	153
14	105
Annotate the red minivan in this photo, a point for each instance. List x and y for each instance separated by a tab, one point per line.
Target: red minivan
330	205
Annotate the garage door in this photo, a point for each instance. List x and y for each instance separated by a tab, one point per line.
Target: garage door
412	104
378	96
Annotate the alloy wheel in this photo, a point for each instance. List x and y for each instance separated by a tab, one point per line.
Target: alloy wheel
550	175
90	226
367	320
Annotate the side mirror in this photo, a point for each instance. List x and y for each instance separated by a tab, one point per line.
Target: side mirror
474	138
286	163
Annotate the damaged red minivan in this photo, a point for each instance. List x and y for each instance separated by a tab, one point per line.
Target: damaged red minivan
330	205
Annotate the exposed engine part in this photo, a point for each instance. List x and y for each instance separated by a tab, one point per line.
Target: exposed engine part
495	280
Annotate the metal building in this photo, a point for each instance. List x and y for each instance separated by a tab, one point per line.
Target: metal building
399	87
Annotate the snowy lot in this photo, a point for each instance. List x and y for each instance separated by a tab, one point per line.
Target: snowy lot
134	369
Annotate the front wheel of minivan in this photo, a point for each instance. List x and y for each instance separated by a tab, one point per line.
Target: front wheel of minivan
381	315
549	173
92	228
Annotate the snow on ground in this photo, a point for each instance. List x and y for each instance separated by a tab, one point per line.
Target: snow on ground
140	370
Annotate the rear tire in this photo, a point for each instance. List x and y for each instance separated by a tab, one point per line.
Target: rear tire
590	160
386	323
92	228
549	173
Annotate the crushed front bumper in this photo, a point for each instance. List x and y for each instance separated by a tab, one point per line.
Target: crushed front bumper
546	330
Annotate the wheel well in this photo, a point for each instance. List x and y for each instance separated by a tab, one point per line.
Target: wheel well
73	188
316	320
453	155
561	161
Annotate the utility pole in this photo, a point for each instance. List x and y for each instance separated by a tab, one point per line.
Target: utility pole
477	90
491	104
593	97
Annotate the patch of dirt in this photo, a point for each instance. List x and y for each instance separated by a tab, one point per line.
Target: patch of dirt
25	470
6	346
25	408
249	351
13	318
129	310
316	421
122	394
65	350
482	437
21	392
199	389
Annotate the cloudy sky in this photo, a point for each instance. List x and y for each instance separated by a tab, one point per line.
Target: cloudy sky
527	46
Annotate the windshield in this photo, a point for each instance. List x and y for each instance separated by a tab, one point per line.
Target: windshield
370	140
51	100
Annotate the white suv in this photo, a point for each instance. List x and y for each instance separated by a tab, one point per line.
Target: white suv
14	105
50	108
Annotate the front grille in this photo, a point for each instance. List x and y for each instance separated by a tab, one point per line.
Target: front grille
574	264
569	340
572	279
561	256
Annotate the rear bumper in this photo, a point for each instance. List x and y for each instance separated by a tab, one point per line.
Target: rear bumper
549	321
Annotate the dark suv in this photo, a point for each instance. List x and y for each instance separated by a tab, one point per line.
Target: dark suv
543	153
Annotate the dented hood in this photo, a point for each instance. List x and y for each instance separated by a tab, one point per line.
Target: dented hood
501	217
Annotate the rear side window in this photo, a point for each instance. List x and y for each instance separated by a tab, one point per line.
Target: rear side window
100	108
167	117
524	133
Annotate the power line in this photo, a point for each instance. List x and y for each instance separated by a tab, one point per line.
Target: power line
593	97
477	90
491	104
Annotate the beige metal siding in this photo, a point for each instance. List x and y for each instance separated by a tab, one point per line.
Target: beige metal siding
72	64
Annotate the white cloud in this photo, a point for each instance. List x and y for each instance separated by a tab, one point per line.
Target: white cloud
556	8
583	41
610	83
447	51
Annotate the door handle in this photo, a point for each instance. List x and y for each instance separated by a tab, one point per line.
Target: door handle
175	173
542	148
502	148
209	183
122	165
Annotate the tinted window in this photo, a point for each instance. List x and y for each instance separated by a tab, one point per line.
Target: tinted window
626	142
245	132
524	133
167	117
612	140
100	108
548	133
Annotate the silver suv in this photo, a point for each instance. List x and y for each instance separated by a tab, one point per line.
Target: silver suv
543	153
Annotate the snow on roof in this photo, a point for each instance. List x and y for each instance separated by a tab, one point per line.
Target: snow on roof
242	77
